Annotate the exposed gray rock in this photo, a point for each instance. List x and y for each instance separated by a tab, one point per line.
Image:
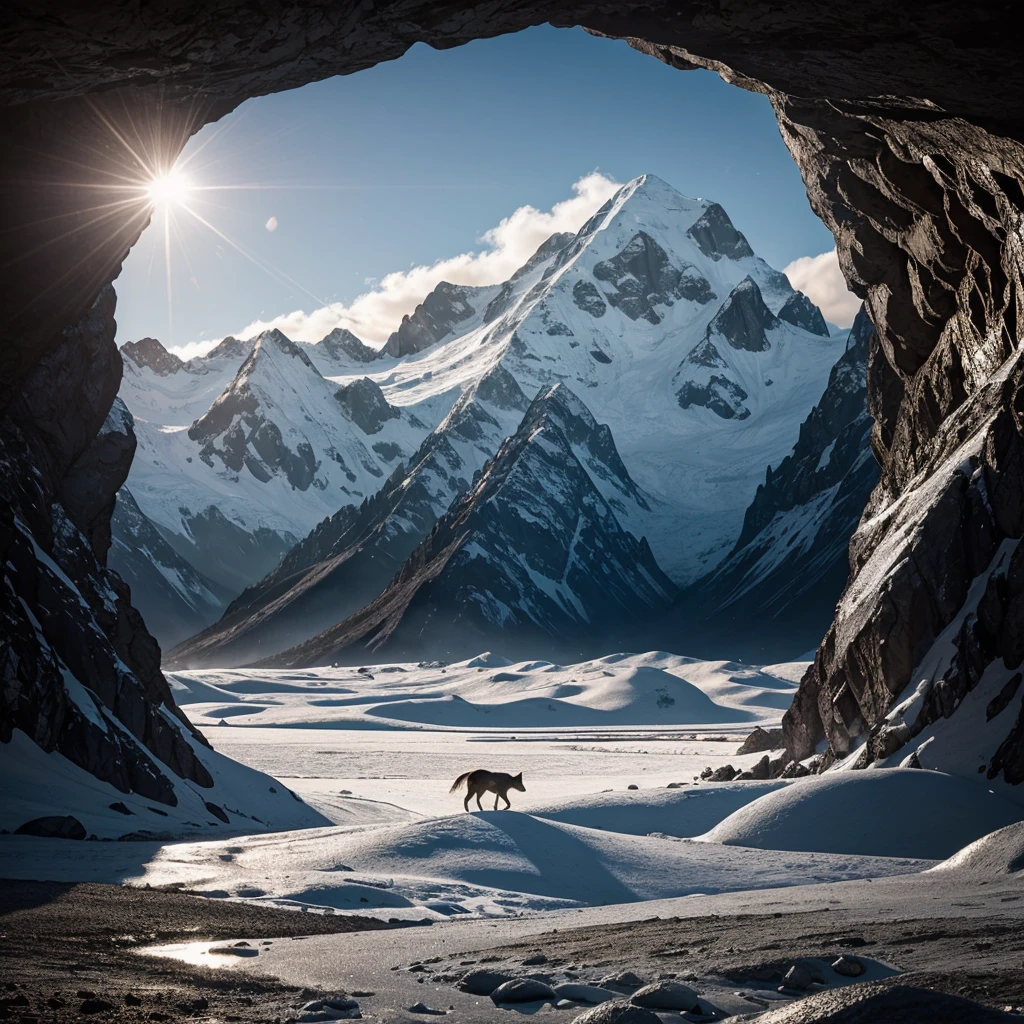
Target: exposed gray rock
483	982
799	311
342	344
666	995
366	405
580	993
588	298
761	739
150	353
522	990
743	319
716	237
617	1013
722	396
848	966
445	307
643	276
623	979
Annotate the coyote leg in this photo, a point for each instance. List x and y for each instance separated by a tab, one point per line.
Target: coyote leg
496	801
479	805
508	803
466	802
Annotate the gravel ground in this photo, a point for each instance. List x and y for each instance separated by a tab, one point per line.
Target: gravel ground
67	953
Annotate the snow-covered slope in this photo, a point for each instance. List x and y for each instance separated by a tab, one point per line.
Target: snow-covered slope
774	596
243	452
175	599
700	359
532	555
654	311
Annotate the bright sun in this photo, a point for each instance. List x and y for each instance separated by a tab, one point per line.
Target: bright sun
168	189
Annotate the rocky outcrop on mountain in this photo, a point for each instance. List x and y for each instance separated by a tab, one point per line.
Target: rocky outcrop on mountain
773	598
366	405
801	312
149	352
717	237
642	275
348	559
444	308
743	319
174	598
531	557
342	345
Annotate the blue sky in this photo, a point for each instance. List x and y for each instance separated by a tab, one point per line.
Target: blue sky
416	160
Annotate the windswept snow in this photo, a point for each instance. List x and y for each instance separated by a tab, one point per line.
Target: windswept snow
892	812
617	691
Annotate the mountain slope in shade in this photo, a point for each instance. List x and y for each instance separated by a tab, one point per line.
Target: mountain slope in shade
774	596
242	452
532	553
349	558
175	600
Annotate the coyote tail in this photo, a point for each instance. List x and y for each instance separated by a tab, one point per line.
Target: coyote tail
459	781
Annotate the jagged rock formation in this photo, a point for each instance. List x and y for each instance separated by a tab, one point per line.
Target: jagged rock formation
349	558
911	152
773	598
149	352
532	555
342	345
447	306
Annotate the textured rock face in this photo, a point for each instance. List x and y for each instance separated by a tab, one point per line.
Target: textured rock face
445	307
910	150
149	352
66	621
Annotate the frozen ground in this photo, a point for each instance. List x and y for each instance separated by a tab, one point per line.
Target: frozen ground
375	753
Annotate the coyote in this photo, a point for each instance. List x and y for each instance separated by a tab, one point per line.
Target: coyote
483	781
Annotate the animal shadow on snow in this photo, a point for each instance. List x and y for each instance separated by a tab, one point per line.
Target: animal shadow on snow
566	868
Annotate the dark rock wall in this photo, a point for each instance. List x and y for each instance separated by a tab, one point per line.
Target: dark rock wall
906	128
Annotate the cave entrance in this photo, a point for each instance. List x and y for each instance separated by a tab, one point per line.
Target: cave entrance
312	193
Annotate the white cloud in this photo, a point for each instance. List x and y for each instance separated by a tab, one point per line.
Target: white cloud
373	315
271	224
821	280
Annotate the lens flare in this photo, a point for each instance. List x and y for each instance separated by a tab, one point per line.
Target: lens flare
168	189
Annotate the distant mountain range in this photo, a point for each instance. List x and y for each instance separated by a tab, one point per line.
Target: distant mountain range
554	460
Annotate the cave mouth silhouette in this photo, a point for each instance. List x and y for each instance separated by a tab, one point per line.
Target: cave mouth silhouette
907	132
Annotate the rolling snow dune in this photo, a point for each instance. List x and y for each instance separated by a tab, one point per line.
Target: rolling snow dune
998	853
682	813
495	863
620	690
888	812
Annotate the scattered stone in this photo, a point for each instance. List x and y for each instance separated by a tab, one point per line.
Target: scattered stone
798	978
234	951
53	826
676	785
850	941
724	774
522	990
617	1013
624	979
483	983
666	995
120	808
794	770
94	1005
427	1010
849	966
583	993
132	1000
760	740
632	785
535	960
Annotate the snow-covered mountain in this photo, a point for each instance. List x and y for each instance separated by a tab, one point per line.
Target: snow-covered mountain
241	453
175	599
775	595
532	554
700	359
